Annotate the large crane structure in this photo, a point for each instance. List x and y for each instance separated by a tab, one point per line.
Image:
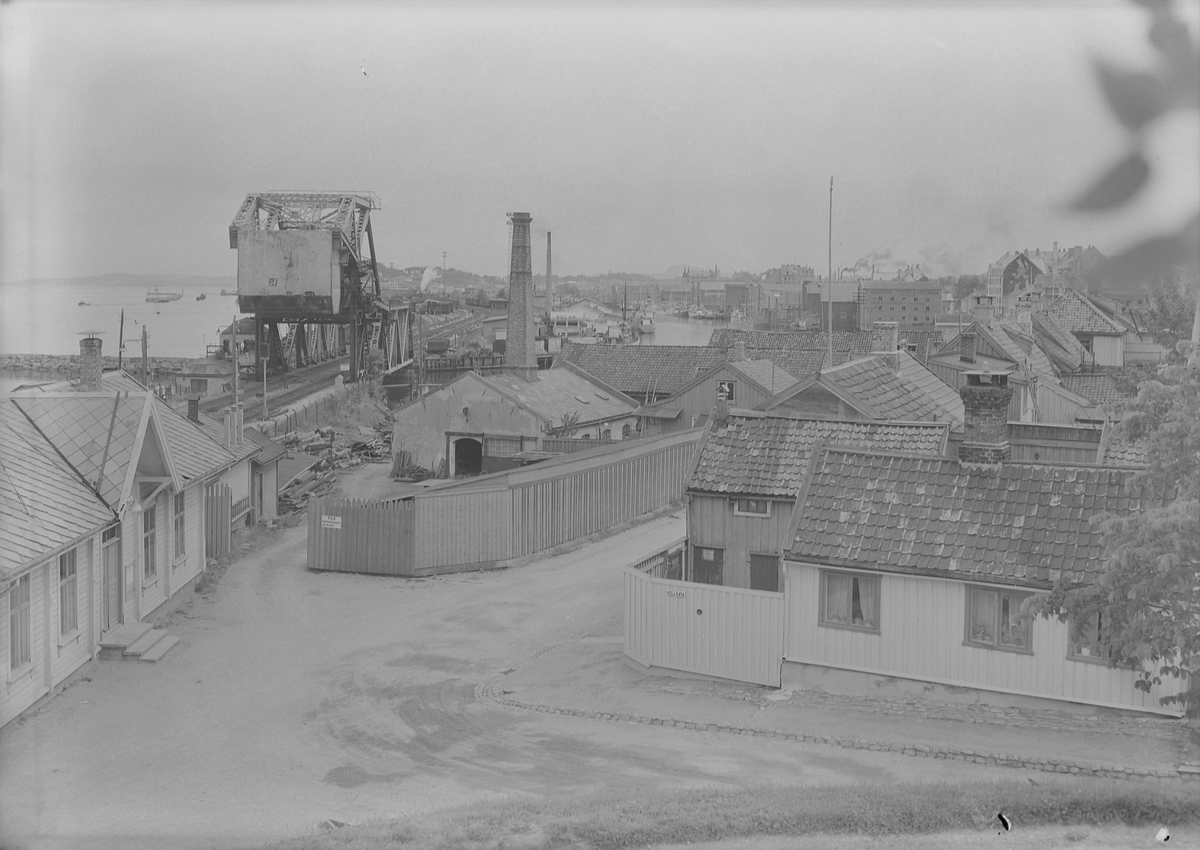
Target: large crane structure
306	262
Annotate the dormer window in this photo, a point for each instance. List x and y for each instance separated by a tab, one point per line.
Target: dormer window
752	507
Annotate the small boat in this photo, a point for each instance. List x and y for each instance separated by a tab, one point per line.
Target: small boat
201	297
155	296
85	303
645	323
229	292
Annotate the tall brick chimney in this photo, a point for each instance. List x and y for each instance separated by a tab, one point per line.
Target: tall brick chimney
985	401
519	356
966	347
91	364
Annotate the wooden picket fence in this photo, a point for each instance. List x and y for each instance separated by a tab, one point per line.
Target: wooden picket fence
218	504
356	536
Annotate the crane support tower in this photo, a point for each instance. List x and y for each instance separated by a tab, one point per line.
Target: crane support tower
307	273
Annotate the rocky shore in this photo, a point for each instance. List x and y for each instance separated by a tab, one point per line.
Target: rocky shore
68	364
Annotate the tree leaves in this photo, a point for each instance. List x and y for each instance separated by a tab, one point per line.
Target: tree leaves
1119	185
1135	97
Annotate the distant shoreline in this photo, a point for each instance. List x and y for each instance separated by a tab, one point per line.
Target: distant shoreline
69	363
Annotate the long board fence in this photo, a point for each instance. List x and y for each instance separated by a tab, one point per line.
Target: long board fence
488	521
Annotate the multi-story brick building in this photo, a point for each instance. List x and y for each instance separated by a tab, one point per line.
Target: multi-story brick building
909	303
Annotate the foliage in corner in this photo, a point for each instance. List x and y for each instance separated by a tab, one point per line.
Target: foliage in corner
568	426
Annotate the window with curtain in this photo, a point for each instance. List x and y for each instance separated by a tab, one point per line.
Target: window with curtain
849	601
20	638
68	594
992	620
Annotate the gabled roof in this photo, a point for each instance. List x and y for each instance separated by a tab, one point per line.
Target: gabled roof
1098	388
43	503
933	387
271	450
562	391
1077	314
1025	348
640	368
1059	344
1020	524
767	455
765	373
215	429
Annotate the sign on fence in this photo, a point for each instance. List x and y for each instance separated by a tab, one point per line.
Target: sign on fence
331	522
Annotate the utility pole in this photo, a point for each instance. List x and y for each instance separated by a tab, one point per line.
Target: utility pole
121	341
233	351
263	358
145	361
443	261
831	271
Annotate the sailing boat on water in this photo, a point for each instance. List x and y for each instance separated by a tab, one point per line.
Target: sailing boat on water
156	296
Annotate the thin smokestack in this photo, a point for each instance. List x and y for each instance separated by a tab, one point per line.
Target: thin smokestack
548	273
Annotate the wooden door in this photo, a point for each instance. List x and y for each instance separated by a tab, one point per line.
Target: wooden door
111	613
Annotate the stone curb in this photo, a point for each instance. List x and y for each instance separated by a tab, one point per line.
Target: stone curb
489	691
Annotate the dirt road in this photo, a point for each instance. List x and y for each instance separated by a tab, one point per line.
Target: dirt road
294	697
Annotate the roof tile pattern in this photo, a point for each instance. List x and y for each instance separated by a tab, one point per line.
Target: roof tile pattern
1075	313
767	374
768	455
934	388
890	395
1019	524
1099	388
559	392
79	427
639	368
43	503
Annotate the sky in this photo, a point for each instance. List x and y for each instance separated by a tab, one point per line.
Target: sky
643	136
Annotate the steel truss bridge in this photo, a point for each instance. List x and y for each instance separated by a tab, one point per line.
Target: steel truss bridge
308	274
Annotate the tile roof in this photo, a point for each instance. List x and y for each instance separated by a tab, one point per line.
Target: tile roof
1028	351
890	395
1116	451
1075	313
766	374
43	503
1059	344
937	390
1016	523
560	391
766	455
79	427
801	352
1099	388
638	368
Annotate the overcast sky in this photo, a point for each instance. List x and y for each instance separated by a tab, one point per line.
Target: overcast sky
643	138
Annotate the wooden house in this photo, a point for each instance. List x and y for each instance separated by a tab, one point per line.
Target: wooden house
476	424
907	574
264	475
647	373
743	486
1100	335
55	559
742	383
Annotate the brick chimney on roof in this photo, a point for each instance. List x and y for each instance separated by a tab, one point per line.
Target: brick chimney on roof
91	364
519	355
985	434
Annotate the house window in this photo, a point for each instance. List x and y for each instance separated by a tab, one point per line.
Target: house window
1086	342
707	564
180	548
992	620
149	540
626	430
725	391
607	435
587	436
1089	640
849	601
764	572
19	633
752	507
68	594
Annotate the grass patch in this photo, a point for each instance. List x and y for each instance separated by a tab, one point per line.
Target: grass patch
614	823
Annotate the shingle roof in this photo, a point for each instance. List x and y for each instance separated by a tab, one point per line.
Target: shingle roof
638	368
560	392
890	395
767	455
1015	523
766	374
1099	387
1079	315
43	503
937	390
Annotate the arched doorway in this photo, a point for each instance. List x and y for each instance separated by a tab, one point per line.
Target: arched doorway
468	456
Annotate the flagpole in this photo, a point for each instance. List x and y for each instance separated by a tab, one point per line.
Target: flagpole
830	334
